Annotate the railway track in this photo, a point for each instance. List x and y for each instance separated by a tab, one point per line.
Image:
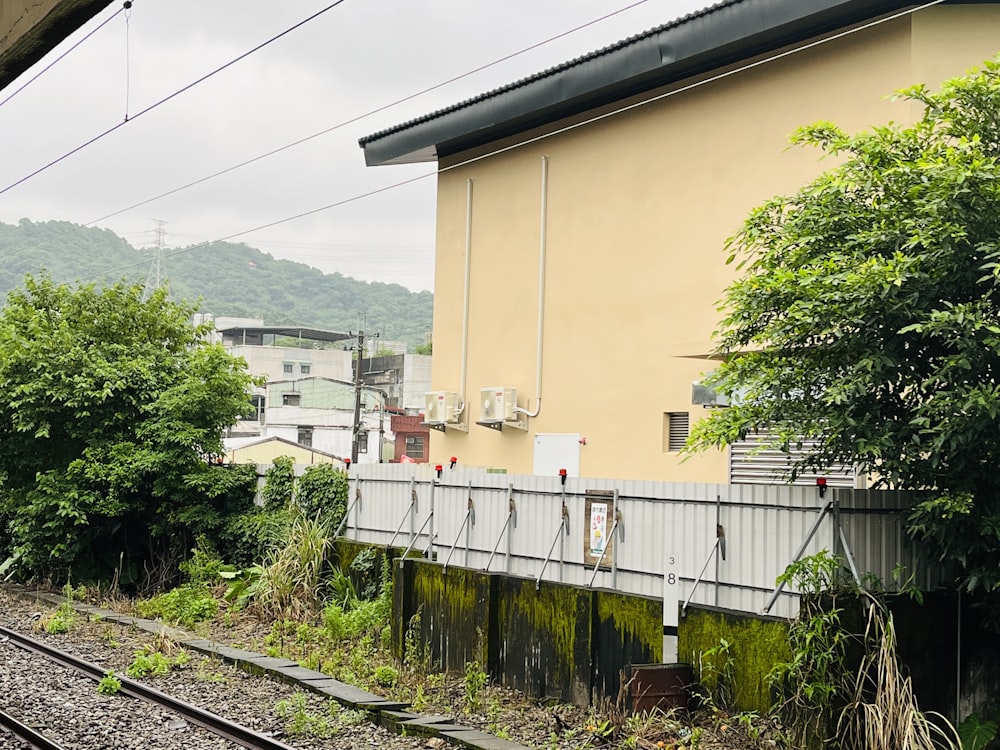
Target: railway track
26	734
213	723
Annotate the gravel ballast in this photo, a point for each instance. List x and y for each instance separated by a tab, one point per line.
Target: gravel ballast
67	707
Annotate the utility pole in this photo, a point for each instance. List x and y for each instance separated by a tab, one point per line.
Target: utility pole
356	429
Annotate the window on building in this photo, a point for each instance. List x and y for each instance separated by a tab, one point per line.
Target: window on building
305	436
258	407
675	430
304	368
291	399
287	368
415	446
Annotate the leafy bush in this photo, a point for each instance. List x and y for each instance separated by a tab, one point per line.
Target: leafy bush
365	573
248	536
204	565
150	662
322	491
279	484
184	605
62	620
386	676
109	684
348	617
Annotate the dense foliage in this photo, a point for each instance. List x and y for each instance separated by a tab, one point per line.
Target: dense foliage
869	317
242	281
322	492
111	412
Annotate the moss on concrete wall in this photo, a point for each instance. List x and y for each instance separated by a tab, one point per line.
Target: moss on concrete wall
554	641
627	630
455	609
756	644
545	638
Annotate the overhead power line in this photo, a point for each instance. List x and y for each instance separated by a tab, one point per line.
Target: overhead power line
358	118
167	98
369	113
544	136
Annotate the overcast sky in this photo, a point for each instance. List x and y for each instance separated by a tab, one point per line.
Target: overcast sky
356	57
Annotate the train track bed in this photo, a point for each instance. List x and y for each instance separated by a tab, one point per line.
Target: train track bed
68	707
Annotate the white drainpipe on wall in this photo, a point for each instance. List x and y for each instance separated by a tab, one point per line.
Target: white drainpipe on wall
544	220
465	308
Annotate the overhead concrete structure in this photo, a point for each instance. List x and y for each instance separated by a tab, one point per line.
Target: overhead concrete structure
29	29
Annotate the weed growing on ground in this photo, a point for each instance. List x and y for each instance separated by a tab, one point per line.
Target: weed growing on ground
108	635
149	662
475	680
184	605
61	620
386	676
301	722
205	673
109	684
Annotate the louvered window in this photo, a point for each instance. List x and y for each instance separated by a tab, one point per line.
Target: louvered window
675	428
749	464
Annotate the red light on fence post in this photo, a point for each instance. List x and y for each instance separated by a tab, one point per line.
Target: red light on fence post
562	475
453	462
821	485
438	470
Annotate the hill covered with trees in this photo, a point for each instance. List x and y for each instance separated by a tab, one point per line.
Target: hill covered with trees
223	278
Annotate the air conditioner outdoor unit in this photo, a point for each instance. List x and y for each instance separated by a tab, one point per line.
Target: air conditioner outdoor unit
440	407
497	404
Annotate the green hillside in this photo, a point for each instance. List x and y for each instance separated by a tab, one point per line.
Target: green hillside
228	279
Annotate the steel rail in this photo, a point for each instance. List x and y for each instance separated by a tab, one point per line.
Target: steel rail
26	734
212	722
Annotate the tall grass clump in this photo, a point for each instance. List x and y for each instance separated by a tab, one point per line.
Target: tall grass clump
347	616
289	583
883	713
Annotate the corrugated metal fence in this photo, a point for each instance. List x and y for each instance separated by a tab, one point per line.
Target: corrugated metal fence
661	533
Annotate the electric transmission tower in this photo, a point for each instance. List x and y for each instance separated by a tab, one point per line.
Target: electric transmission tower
154	278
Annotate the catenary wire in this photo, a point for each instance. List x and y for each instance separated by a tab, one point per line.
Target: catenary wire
356	118
542	137
42	72
169	97
364	115
128	61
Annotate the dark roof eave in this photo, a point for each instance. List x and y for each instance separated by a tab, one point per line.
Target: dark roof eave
301	332
719	36
61	20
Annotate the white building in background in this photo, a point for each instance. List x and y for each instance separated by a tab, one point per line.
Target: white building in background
318	413
308	395
285	352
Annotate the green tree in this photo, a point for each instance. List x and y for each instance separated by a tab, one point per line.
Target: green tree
868	317
323	492
111	415
279	483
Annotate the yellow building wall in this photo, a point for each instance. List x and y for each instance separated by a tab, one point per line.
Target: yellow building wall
639	208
